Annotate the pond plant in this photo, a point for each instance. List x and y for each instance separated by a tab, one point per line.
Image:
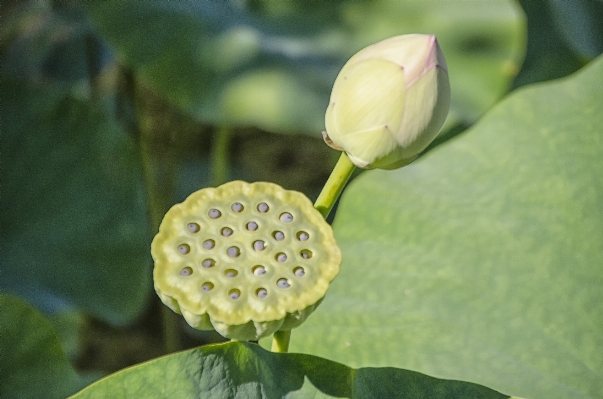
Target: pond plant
263	255
255	260
462	261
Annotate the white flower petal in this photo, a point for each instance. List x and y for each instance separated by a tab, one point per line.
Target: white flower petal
369	94
413	52
365	146
425	112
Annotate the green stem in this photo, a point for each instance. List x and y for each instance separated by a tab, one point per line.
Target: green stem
334	186
324	204
220	156
280	341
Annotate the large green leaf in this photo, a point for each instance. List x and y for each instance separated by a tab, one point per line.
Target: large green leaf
273	65
244	370
484	260
32	364
73	215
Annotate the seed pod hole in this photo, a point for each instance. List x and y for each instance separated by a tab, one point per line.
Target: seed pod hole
263	207
231	273
186	271
306	253
193	227
281	257
299	271
184	249
303	236
252	226
206	287
234	294
283	283
226	231
286	217
278	235
259	245
261	293
209	244
214	213
233	252
258	270
207	263
237	207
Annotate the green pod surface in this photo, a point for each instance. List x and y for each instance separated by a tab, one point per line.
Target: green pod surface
245	259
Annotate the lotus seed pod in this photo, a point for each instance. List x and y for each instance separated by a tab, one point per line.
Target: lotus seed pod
244	259
389	102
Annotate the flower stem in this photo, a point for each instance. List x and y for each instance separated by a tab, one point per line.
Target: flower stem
280	341
324	204
335	184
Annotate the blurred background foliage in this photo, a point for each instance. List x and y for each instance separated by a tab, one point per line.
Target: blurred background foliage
113	111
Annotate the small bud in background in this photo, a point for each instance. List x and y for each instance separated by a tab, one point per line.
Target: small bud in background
389	102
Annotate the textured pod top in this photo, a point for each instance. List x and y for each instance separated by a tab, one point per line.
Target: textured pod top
242	253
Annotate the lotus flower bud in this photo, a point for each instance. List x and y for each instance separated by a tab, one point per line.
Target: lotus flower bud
389	102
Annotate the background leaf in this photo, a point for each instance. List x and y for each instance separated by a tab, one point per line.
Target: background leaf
579	23
73	220
68	326
244	370
271	66
482	261
40	44
563	36
32	364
